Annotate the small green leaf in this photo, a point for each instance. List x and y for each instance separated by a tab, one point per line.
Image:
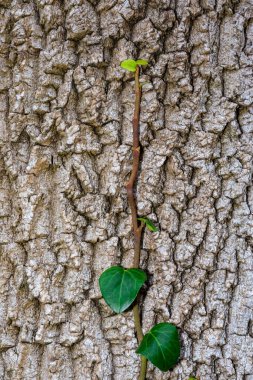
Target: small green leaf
142	62
192	378
119	286
129	64
150	225
161	346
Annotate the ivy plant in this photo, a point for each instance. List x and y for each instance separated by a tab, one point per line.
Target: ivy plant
120	286
161	346
150	225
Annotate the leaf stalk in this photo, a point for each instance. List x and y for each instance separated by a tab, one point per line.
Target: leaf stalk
137	229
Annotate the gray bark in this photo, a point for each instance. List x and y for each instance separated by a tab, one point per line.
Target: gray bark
65	153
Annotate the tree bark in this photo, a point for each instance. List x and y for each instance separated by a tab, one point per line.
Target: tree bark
65	154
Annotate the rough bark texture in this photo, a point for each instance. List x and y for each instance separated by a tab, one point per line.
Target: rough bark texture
65	143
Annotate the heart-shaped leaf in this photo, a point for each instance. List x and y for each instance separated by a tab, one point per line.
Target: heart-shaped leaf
119	286
150	225
130	64
161	346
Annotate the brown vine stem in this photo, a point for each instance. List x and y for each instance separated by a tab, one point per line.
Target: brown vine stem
137	228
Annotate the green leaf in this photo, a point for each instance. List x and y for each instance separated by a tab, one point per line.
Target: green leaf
119	286
192	378
161	346
150	225
129	64
142	62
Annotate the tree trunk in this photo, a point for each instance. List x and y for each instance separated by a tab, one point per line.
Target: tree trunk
65	143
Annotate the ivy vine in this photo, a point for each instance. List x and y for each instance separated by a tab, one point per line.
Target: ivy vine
120	286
